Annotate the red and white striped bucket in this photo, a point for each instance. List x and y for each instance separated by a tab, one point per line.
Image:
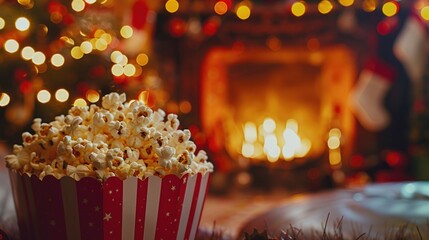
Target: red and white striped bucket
154	208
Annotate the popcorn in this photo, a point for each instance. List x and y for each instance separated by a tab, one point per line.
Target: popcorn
118	139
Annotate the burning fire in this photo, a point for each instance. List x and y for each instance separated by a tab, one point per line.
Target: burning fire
266	142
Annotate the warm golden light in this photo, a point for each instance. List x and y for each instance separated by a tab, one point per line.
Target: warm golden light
90	1
333	142
144	97
243	12
390	8
26	3
324	6
142	59
107	37
424	13
78	5
269	125
335	132
38	58
27	53
247	150
220	7
117	70
334	157
129	70
76	53
86	47
250	132
22	24
4	99
292	124
62	95
126	31
346	3
303	149
185	107
124	60
92	96
57	60
11	46
80	102
101	44
298	8
116	56
273	154
98	33
172	6
369	5
68	41
43	96
2	23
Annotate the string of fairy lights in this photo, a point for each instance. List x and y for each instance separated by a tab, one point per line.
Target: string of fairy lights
12	32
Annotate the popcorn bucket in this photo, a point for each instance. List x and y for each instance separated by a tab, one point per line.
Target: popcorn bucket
153	208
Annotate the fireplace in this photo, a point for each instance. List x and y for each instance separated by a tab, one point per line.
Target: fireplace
284	107
291	75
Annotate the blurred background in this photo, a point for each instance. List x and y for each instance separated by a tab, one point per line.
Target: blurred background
282	94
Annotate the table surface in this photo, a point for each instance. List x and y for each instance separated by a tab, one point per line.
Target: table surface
375	207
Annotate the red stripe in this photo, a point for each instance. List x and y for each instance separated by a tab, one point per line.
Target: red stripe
49	204
112	208
169	205
193	206
21	209
381	68
90	203
140	208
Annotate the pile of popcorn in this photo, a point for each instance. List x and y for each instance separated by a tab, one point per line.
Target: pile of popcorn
118	139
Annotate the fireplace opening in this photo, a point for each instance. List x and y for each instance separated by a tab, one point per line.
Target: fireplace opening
284	107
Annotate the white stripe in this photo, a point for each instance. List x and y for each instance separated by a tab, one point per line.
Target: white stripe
71	208
129	201
186	208
199	207
32	206
152	205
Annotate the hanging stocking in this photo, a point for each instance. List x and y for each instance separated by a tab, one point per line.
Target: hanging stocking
411	46
368	95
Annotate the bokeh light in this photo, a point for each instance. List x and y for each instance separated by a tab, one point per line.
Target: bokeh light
62	95
126	31
142	59
80	102
38	58
2	23
424	13
390	8
57	60
172	6
78	5
4	99
220	7
92	96
27	53
324	6
43	96
298	8
243	12
11	46
22	24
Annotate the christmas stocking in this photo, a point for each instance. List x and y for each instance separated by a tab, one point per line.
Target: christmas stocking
367	97
411	45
